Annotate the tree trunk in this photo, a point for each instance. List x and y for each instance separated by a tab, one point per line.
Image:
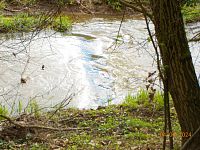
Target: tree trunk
177	64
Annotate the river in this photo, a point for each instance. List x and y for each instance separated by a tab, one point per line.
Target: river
84	66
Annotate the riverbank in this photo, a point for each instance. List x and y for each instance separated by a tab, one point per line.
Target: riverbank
26	16
26	23
135	124
34	7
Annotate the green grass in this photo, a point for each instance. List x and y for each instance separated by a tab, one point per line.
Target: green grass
130	101
26	23
142	98
3	111
158	100
33	108
138	123
131	124
61	24
138	136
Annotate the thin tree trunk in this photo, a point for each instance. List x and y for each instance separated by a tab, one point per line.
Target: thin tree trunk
167	111
177	61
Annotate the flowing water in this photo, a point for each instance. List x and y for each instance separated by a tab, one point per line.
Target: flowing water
91	65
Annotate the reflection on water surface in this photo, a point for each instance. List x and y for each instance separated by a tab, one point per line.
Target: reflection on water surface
82	63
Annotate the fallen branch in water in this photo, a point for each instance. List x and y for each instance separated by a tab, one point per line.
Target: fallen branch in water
40	127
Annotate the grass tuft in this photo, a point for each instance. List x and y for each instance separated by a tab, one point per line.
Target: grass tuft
3	111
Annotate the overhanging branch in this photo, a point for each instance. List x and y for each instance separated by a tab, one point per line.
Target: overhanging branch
127	4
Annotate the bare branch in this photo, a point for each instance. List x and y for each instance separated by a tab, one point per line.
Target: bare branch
127	4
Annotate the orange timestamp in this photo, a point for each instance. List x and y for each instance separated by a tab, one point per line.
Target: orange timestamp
174	134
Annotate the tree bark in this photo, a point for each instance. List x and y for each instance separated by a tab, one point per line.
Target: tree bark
177	63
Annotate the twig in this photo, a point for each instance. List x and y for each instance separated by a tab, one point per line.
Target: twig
164	79
119	29
62	104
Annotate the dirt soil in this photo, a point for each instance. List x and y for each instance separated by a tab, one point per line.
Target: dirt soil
98	7
112	127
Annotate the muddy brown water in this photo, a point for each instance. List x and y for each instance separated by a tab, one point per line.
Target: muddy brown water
85	65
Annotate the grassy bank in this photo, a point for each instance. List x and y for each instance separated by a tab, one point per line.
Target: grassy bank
135	124
26	23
